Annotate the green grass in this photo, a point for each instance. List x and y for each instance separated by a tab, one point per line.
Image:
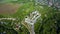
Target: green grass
45	26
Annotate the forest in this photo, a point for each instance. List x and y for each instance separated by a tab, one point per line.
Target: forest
29	17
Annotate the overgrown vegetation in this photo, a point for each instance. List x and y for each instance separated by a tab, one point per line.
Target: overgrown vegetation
48	23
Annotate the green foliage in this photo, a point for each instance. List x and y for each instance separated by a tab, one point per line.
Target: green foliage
46	24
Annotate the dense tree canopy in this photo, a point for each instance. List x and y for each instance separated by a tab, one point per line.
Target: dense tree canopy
48	23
